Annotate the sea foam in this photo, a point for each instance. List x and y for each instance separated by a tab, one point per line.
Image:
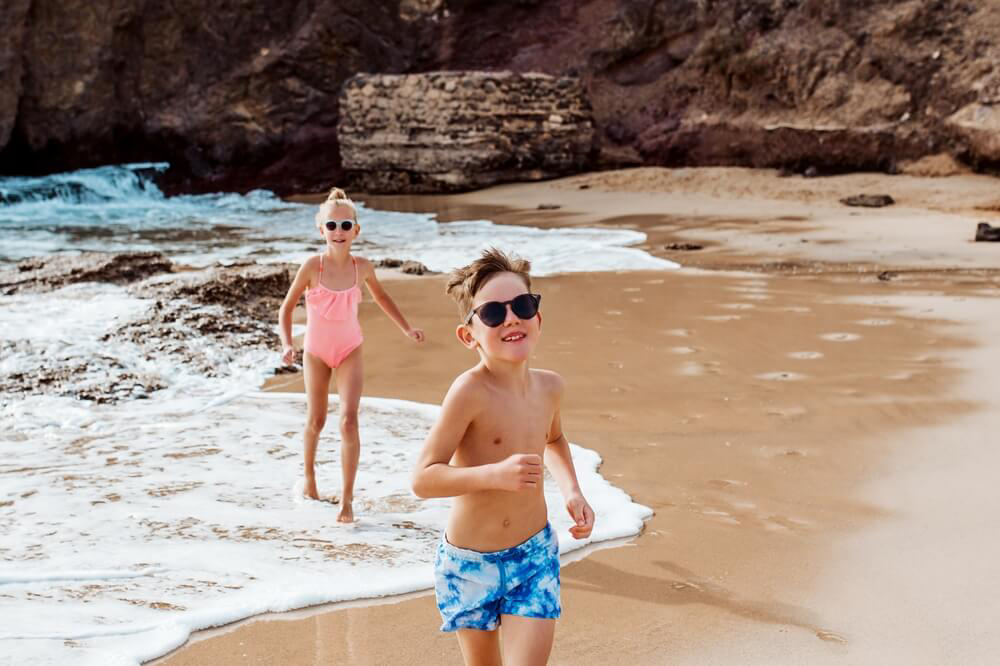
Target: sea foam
120	208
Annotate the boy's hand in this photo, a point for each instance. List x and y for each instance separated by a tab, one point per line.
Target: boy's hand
518	472
288	355
582	515
416	334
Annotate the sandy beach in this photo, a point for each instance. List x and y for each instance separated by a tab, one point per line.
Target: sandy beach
806	406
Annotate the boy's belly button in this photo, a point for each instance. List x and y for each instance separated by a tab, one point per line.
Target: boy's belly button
506	522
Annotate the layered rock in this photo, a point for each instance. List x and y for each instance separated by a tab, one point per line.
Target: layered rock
447	131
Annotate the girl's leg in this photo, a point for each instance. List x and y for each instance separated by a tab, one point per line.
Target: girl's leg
349	381
480	648
526	640
316	374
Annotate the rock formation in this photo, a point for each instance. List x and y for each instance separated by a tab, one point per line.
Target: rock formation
195	319
241	95
58	270
460	130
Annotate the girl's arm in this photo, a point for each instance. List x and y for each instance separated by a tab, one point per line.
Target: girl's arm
435	476
301	282
559	460
385	301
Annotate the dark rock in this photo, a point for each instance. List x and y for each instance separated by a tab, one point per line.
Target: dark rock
405	266
548	206
40	274
868	200
984	232
684	247
885	276
415	268
389	263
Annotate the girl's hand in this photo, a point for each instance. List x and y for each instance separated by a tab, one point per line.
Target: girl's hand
582	515
288	355
416	334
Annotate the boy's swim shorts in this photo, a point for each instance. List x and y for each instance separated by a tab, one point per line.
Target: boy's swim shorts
474	589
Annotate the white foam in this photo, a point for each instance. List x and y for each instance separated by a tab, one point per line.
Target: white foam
840	337
119	208
133	525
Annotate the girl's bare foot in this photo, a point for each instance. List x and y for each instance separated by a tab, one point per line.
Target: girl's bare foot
346	513
309	490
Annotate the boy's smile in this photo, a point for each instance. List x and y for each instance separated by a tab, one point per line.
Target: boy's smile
516	336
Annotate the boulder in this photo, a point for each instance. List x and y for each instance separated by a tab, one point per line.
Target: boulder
979	125
984	232
868	200
453	131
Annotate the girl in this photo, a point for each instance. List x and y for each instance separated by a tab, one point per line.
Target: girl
332	285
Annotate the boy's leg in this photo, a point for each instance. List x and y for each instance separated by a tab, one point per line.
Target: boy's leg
527	641
349	384
316	375
480	648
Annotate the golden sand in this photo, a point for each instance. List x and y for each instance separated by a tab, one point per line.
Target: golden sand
812	438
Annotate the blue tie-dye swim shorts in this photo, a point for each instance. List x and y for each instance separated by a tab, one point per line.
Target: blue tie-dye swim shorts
474	589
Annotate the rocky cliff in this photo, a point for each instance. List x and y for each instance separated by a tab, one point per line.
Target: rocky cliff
240	94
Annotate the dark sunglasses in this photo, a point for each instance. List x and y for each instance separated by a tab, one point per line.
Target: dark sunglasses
494	313
346	225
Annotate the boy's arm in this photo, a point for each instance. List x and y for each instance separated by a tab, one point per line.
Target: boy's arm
299	285
384	301
559	461
434	476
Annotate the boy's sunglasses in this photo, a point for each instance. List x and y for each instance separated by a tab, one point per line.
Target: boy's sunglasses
346	225
494	313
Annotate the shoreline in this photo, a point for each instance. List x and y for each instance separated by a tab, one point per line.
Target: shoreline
756	478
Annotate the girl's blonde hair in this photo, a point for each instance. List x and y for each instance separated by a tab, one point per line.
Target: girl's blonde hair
337	197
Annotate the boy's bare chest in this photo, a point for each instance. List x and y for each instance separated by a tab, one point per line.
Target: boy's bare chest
509	427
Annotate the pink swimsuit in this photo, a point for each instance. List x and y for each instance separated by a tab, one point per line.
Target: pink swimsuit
332	327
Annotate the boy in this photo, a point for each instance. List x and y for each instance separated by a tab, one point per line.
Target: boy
498	562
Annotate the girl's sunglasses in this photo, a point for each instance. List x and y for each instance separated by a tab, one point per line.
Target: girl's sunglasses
346	225
494	313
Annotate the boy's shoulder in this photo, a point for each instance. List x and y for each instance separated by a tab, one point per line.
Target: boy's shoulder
549	380
471	382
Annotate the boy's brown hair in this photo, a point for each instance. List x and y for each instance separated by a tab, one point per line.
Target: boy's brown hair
465	282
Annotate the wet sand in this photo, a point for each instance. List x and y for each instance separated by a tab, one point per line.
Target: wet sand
814	440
